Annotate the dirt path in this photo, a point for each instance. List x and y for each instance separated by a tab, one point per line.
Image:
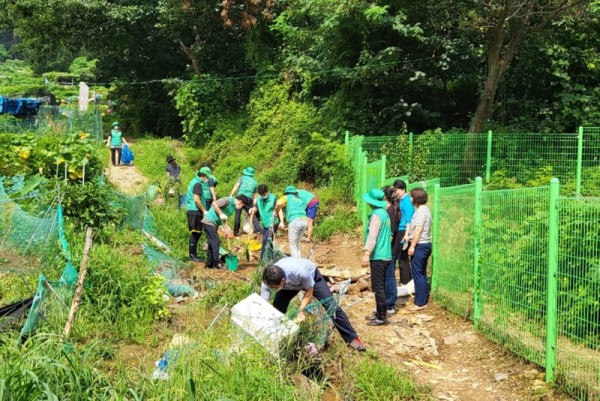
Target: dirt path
440	349
126	179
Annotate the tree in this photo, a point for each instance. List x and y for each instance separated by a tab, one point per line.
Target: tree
507	23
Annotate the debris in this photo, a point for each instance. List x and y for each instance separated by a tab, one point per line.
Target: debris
531	374
445	397
342	272
500	376
360	286
261	321
426	365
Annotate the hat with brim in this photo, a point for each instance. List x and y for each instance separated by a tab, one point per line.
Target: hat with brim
204	170
375	197
170	159
249	171
290	189
115	123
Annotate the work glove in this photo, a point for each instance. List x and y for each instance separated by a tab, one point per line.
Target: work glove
223	217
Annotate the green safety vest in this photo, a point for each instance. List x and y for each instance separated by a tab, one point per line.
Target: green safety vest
305	196
248	186
116	138
265	209
227	210
295	208
383	246
206	194
191	205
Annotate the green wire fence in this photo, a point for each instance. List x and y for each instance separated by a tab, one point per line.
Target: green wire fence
518	159
516	257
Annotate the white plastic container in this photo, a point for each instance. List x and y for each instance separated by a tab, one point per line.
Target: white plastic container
260	320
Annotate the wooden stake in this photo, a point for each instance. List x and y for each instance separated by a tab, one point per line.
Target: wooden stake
79	288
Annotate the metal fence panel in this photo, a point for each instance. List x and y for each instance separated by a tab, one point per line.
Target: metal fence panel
453	267
578	345
513	263
590	160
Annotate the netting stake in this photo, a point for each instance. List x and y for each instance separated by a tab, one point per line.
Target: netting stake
80	281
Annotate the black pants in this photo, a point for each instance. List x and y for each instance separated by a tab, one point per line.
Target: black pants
321	293
267	241
248	202
115	155
378	268
405	271
214	243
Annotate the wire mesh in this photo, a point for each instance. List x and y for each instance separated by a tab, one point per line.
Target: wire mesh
590	174
530	156
578	344
455	158
454	266
513	265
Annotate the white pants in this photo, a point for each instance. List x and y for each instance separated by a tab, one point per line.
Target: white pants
296	231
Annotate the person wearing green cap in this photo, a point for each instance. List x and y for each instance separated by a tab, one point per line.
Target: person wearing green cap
208	187
295	214
218	214
196	209
378	251
312	206
247	187
115	142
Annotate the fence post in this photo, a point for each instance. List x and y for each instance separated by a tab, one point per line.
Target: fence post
383	167
435	233
410	154
363	190
552	284
478	228
579	160
488	159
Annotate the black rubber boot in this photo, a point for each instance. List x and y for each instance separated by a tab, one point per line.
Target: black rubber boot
193	256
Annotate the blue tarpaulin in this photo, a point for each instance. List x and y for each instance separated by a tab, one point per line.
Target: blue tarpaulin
19	107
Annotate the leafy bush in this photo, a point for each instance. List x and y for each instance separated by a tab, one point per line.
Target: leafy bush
203	102
48	155
91	205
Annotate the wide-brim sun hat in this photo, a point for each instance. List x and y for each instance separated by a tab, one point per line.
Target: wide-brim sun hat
375	197
115	123
249	171
290	189
205	170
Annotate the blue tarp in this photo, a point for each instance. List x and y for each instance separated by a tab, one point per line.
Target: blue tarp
19	107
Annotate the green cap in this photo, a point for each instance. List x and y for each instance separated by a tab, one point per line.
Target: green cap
204	170
115	123
249	171
290	189
375	197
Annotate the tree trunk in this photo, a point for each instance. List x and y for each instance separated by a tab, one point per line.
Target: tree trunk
192	56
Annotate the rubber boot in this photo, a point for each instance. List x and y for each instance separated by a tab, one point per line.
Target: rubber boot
193	250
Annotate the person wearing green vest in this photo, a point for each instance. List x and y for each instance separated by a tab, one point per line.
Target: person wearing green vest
295	214
115	142
208	187
246	186
196	209
312	207
378	251
265	205
218	214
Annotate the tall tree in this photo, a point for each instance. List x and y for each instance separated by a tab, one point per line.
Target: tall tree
507	23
